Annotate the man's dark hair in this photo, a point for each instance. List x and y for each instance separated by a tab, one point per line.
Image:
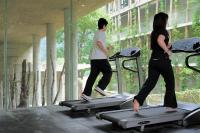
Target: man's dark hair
102	22
160	21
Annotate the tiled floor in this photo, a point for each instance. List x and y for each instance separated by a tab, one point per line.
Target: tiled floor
56	119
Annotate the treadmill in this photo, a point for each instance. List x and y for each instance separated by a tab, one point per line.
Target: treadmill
186	114
120	101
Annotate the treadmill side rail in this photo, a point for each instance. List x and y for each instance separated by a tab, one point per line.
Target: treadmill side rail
192	118
98	103
146	116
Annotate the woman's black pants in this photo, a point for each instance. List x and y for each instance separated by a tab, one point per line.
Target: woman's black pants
159	67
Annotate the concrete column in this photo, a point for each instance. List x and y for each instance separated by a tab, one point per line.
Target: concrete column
187	12
51	63
186	31
118	5
36	70
157	6
119	20
139	20
128	22
129	3
67	41
116	23
119	25
130	18
187	20
5	55
71	52
170	13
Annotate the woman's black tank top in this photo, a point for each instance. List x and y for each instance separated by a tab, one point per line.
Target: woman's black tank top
157	51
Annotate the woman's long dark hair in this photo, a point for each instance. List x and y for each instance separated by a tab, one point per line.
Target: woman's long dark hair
159	25
160	21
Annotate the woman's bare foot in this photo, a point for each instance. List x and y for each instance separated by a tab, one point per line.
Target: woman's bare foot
170	109
136	105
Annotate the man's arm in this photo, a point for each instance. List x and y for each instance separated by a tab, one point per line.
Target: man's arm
100	45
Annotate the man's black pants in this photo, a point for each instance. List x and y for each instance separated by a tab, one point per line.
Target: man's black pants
97	66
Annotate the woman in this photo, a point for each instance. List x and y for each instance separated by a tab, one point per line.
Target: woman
159	64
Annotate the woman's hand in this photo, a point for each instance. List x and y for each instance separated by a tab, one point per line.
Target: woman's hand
169	52
169	45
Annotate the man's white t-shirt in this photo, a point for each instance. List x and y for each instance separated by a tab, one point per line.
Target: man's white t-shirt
96	52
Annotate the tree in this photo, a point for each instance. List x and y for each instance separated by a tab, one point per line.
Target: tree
86	26
196	31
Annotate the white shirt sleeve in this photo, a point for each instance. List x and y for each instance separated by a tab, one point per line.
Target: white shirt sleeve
99	37
96	53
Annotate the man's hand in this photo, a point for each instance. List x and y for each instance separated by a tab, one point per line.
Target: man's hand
110	47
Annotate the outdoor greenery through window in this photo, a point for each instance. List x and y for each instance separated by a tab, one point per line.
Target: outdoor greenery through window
29	50
132	28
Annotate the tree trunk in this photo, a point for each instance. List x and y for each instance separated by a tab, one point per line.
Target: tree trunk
12	89
53	79
1	94
28	80
43	88
24	88
59	85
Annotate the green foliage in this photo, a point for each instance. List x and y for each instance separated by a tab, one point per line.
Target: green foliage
60	51
196	24
162	7
134	28
60	43
190	95
176	34
86	26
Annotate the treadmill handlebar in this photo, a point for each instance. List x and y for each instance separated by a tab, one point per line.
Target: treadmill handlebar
129	52
187	62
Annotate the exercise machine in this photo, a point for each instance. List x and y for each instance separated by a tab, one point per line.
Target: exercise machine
119	100
185	113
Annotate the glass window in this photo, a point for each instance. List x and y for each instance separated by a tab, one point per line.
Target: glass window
144	16
124	3
193	9
124	19
181	6
152	12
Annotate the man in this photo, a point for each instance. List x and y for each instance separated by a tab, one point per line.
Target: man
99	63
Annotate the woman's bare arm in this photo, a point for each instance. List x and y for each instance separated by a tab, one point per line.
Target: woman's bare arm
163	45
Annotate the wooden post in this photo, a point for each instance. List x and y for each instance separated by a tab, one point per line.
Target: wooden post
24	88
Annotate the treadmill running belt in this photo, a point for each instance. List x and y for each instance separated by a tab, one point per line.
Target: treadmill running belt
128	118
94	103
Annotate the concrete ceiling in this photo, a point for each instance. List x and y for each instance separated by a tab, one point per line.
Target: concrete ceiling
28	17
